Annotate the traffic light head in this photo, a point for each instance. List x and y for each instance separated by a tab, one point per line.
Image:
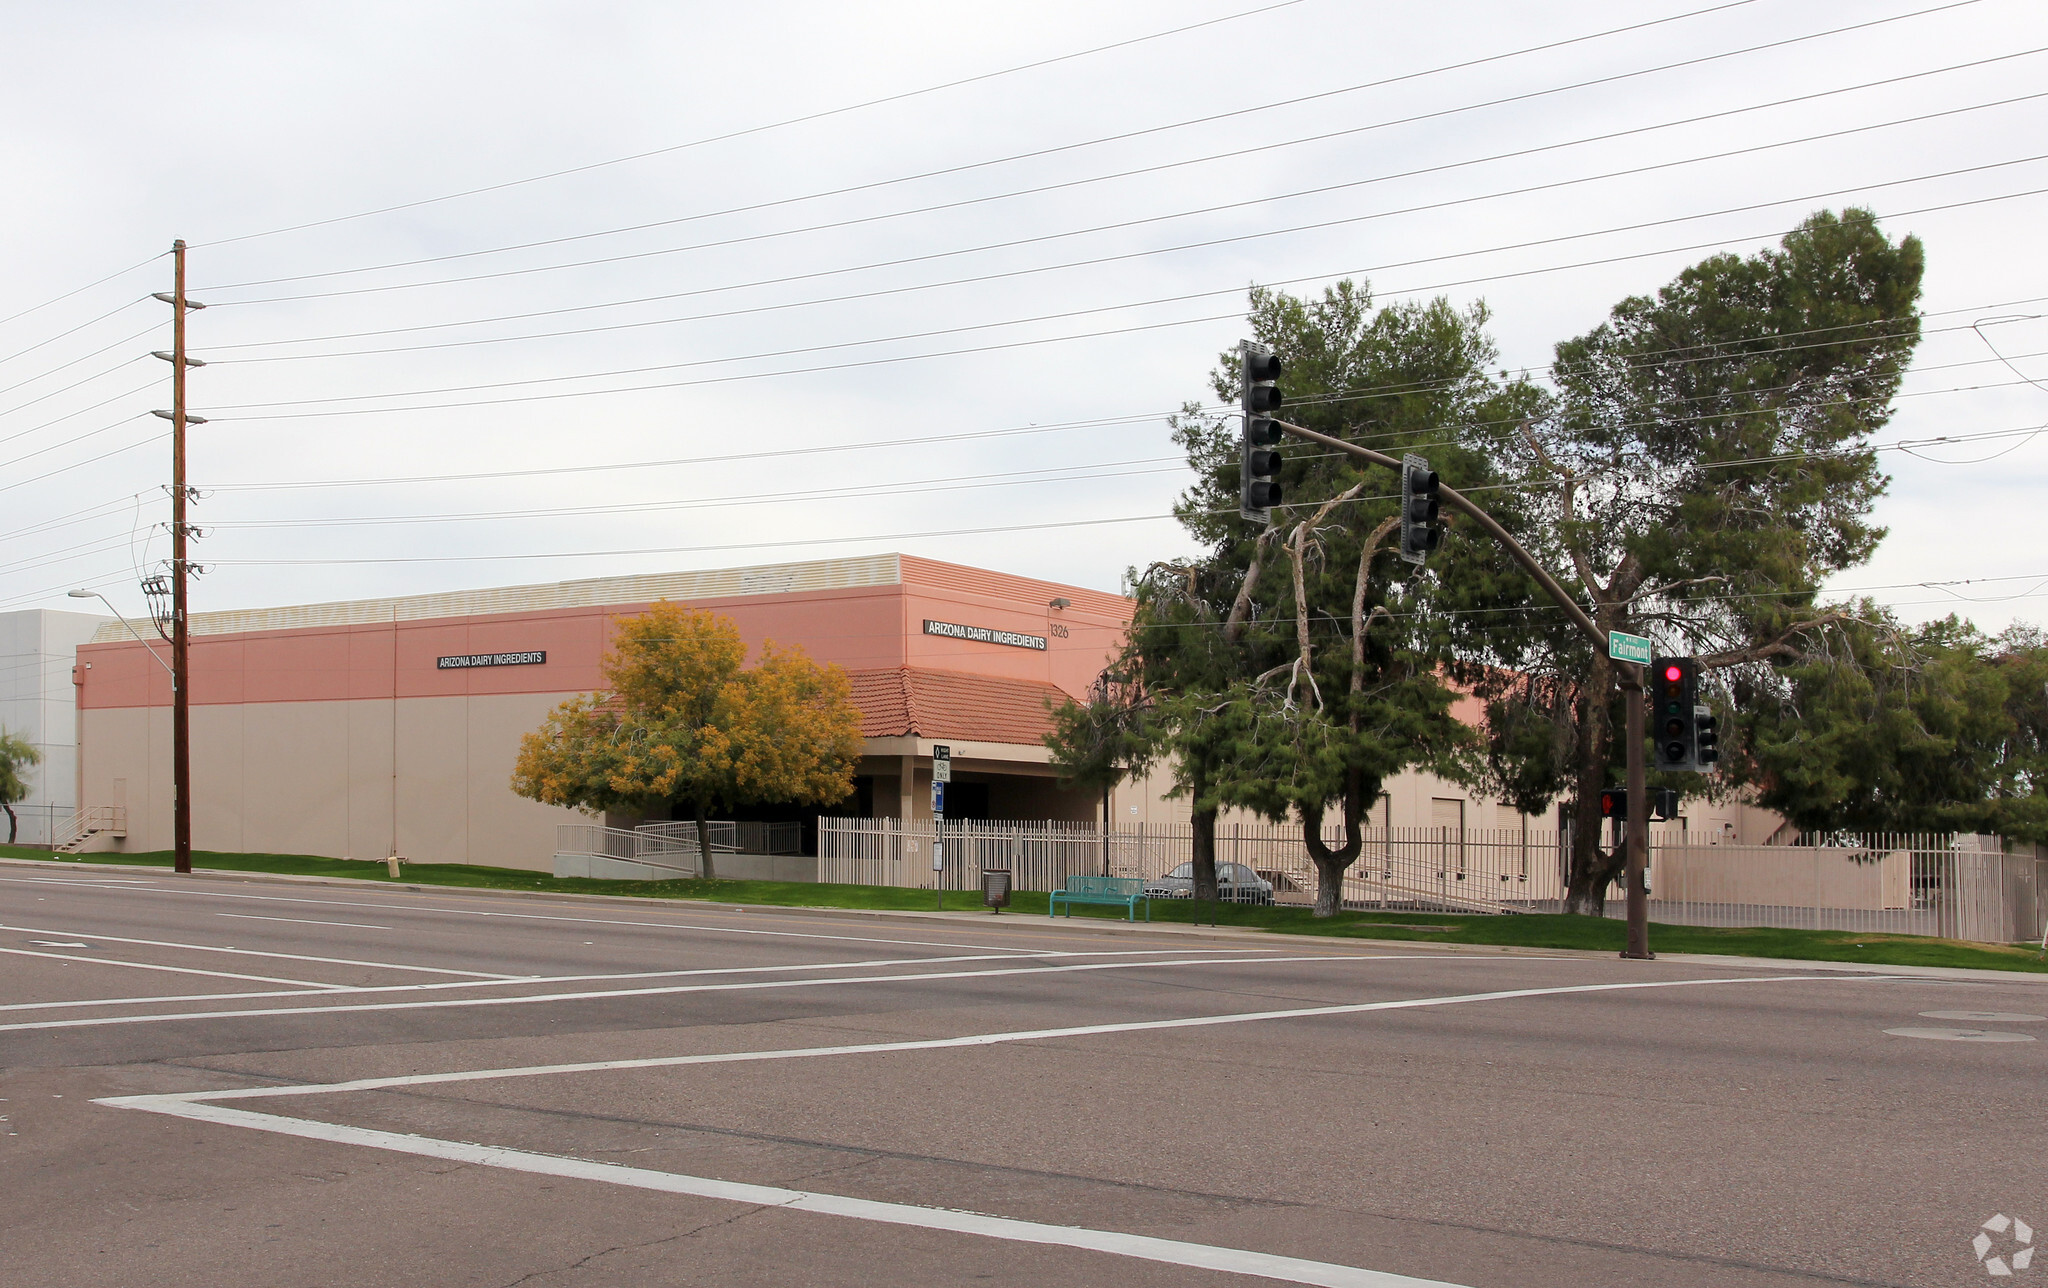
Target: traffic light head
1614	803
1261	369
1421	528
1706	738
1683	731
1259	466
1673	682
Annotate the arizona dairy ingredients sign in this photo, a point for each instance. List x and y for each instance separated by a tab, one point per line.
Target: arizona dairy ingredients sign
466	660
984	635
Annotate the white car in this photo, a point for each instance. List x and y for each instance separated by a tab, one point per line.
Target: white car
1235	883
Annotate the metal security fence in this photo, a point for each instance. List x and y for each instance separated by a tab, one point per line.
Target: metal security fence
1958	887
674	846
727	837
1442	869
1954	887
39	823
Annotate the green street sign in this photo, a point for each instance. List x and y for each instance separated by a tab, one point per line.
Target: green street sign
1623	647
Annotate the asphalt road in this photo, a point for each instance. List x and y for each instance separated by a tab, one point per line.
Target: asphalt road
220	1082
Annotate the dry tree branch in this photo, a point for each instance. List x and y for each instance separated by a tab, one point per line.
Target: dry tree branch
1240	608
1779	647
1301	639
1580	563
1359	620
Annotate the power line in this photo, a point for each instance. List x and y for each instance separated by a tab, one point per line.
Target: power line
19	353
887	488
1012	478
1144	170
1062	474
1733	4
861	491
648	464
122	365
66	469
1092	335
120	343
79	290
21	433
1054	474
1104	421
1128	418
1515	98
1407	210
1002	529
97	510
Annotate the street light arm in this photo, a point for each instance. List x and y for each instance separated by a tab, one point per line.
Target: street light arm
93	594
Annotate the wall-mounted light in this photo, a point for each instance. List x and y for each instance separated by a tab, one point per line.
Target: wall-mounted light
1061	603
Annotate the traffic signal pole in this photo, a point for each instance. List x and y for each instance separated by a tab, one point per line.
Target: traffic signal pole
1636	852
1637	843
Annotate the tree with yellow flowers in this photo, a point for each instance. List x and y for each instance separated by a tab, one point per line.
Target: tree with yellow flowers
684	722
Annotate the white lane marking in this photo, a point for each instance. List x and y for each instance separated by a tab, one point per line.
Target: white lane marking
251	952
1173	1252
1962	1035
197	1106
106	881
1984	1017
56	943
971	1040
600	921
301	921
322	989
98	1021
438	985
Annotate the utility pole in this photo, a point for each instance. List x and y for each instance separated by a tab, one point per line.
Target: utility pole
1637	843
181	644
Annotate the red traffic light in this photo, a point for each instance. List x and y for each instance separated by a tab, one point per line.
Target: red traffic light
1674	673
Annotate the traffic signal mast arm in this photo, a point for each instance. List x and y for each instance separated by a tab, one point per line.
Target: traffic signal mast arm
1457	501
1631	675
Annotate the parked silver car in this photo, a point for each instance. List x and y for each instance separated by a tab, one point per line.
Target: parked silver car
1235	883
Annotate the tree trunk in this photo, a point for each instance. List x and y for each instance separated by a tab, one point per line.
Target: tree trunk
705	867
1105	829
1592	868
1332	864
10	821
1204	821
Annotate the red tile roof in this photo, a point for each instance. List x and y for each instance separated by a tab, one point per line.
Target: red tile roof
952	704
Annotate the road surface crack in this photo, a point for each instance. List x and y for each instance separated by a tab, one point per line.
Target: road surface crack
584	1261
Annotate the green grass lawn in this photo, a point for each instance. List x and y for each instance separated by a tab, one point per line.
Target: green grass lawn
1526	931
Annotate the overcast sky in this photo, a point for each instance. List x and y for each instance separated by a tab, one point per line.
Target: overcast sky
957	274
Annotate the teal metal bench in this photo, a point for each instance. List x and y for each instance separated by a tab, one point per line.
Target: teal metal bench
1127	891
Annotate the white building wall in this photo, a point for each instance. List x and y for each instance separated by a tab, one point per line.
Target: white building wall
1414	799
38	648
319	778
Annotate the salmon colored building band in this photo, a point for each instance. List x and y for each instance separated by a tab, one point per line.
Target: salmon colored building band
374	727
